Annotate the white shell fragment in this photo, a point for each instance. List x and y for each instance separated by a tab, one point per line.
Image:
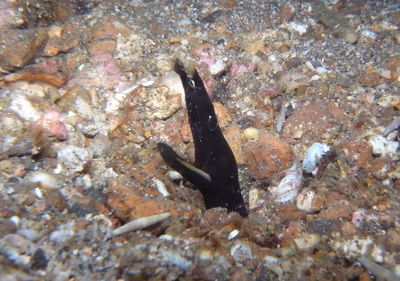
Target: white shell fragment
289	186
384	147
356	247
73	157
63	232
174	175
307	241
38	193
297	27
161	187
233	234
313	155
43	178
140	223
309	202
218	67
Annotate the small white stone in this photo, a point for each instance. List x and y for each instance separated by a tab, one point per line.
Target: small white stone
357	247
112	105
309	201
38	193
43	178
24	108
241	252
63	233
233	234
15	220
217	67
388	100
321	70
369	34
307	241
297	27
251	133
205	254
161	187
377	254
9	190
174	175
166	237
273	264
313	155
109	173
73	157
384	147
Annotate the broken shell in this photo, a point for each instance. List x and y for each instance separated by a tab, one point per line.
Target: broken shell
289	186
313	156
43	178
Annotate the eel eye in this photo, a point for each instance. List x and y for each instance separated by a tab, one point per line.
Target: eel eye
212	123
191	83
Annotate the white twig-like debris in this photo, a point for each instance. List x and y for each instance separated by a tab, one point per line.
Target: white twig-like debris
394	125
281	118
378	270
161	187
140	223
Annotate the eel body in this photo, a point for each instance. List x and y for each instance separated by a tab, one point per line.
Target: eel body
214	171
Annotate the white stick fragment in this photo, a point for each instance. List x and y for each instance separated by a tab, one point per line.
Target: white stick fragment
281	118
378	270
140	223
161	187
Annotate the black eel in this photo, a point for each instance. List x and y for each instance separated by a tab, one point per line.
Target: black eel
214	171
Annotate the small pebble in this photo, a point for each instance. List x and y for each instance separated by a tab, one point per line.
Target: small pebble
233	234
297	27
43	178
383	147
73	157
174	175
38	193
251	133
307	241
